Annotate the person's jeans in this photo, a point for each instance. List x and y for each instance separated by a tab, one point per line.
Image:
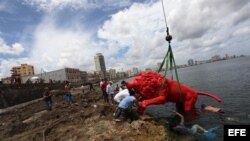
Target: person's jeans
49	105
106	98
118	113
127	114
111	97
69	98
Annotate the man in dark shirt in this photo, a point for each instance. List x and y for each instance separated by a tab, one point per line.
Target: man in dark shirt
181	128
47	98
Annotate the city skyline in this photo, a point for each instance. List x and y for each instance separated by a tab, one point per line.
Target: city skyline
136	70
57	34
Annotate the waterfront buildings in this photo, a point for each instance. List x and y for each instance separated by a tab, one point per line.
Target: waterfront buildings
72	75
148	69
100	65
23	70
7	80
121	75
129	73
93	77
216	58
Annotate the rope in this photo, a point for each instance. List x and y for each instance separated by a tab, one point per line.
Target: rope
170	62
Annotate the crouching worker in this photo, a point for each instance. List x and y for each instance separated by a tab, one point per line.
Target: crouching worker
47	98
125	107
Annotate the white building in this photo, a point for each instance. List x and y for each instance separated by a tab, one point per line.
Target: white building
72	75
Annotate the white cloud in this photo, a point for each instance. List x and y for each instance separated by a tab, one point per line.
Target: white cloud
55	48
14	49
140	29
242	31
49	5
199	28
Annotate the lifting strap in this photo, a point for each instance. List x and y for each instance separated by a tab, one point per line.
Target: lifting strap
169	60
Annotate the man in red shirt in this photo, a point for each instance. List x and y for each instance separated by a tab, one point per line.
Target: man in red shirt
104	93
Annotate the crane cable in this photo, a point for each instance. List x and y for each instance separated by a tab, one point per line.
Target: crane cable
164	14
169	58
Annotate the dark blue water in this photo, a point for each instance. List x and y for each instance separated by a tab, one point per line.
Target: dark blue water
230	80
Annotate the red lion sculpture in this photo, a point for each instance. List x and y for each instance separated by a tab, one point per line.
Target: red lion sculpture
148	86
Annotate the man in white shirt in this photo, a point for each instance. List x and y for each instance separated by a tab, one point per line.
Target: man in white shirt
122	94
110	92
119	96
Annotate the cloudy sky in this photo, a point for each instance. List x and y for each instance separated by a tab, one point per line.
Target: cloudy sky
53	34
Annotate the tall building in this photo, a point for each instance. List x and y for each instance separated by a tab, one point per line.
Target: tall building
112	74
190	62
100	65
23	70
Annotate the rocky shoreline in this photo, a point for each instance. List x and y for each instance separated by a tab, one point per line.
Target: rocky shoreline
90	119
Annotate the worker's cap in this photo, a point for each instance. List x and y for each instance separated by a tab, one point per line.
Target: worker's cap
111	82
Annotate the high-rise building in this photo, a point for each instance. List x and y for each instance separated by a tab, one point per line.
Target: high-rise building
100	65
190	62
23	70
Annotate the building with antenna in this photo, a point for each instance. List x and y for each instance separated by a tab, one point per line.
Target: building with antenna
100	65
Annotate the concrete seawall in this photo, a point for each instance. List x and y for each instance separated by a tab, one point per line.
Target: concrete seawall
11	95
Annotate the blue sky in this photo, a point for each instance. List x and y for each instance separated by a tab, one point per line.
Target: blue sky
53	34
